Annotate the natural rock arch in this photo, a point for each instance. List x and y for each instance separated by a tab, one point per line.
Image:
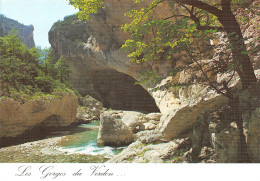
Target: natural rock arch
119	91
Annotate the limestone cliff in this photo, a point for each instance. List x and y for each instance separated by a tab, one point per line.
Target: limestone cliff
16	118
98	64
25	32
101	69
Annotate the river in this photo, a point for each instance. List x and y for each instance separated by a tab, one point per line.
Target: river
86	142
74	144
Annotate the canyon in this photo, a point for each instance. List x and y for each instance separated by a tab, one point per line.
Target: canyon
93	50
157	123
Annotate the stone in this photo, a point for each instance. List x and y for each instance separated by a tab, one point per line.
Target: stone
154	122
227	145
113	131
84	115
200	135
138	152
149	126
91	103
253	141
137	121
149	136
216	139
134	120
179	123
16	118
89	110
153	116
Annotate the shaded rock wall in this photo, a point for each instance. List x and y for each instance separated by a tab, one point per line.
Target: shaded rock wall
105	74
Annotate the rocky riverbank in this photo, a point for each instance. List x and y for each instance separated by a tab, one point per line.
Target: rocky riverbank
16	118
45	151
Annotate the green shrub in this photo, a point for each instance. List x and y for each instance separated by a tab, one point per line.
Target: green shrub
30	72
68	20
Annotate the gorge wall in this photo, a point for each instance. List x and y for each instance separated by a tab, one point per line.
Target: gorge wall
25	32
93	49
101	69
98	64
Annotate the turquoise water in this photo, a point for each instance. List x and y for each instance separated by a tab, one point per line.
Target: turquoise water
86	142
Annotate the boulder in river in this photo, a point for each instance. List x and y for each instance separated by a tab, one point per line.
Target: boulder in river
113	131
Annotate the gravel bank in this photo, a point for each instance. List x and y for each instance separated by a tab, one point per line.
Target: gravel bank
44	151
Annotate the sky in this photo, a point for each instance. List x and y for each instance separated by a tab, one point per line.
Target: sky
39	13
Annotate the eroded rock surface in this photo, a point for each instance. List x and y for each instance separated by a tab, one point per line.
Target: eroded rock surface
113	132
16	118
123	127
254	136
93	48
89	109
138	152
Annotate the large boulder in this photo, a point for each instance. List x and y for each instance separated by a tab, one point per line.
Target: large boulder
16	118
134	120
179	123
113	131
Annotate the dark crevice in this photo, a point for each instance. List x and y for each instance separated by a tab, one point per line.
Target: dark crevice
40	132
119	91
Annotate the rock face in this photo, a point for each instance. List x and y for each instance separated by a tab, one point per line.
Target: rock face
93	48
217	131
214	131
118	127
101	69
180	123
113	132
254	136
100	73
140	122
89	109
25	32
138	152
16	118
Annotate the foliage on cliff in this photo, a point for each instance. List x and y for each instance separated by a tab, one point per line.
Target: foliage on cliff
190	25
26	73
188	30
67	20
25	32
9	25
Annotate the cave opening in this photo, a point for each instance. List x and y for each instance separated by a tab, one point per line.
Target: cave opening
119	91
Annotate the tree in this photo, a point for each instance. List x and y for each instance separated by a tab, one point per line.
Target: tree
29	71
63	70
206	15
188	29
